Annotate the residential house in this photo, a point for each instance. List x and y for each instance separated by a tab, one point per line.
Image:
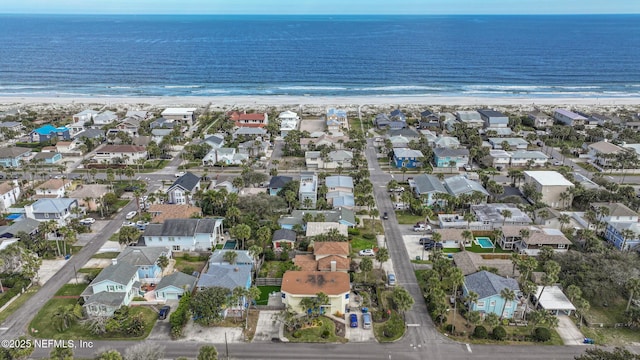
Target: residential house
429	116
615	212
397	115
339	183
603	152
92	134
450	142
162	123
526	158
399	141
459	185
48	158
427	187
382	121
276	183
216	141
115	286
242	119
341	199
568	118
49	132
540	119
471	118
548	218
308	191
445	157
315	228
538	237
312	143
327	256
129	126
58	209
407	158
250	133
184	234
337	117
85	116
89	195
289	121
104	118
408	133
497	132
253	148
552	300
492	215
157	135
283	238
334	159
297	285
551	184
228	277
67	147
498	159
25	225
9	194
162	212
145	259
174	286
139	114
185	116
53	188
493	118
120	154
489	288
341	216
633	125
513	143
226	156
182	190
226	185
243	257
624	236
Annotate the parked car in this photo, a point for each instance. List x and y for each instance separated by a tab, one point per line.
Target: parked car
421	227
180	174
366	321
131	188
391	279
164	312
1	176
166	156
353	320
367	252
385	216
398	189
425	241
87	221
557	163
142	224
128	223
431	246
131	215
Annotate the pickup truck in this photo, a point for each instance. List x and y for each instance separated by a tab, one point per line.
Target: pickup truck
421	227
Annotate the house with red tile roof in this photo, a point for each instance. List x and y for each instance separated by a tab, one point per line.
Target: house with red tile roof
297	285
243	119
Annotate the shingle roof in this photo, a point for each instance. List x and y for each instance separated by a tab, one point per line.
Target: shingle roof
163	212
406	132
342	263
120	273
178	279
181	227
458	185
90	134
313	282
426	183
338	215
243	257
407	153
187	182
57	205
7	186
615	209
491	113
120	149
339	181
142	255
605	147
331	248
226	276
46	155
487	284
443	152
306	262
106	298
284	234
26	225
277	182
13	151
53	184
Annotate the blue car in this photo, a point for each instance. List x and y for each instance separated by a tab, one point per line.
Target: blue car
353	319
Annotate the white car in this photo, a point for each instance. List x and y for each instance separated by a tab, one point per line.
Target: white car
131	215
128	223
87	221
367	252
180	174
557	163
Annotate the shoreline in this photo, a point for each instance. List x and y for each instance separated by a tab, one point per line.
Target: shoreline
284	100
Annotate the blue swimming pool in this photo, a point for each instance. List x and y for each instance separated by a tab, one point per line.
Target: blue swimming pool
484	242
230	245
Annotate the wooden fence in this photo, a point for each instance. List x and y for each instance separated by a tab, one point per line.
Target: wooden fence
268	281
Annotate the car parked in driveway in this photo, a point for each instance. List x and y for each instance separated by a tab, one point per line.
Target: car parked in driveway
421	227
367	252
164	312
433	245
391	279
87	221
353	320
425	241
131	214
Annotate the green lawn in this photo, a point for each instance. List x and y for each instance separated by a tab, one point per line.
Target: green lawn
121	203
18	303
274	269
156	164
71	289
612	336
378	328
478	249
451	250
193	263
264	294
404	217
106	255
588	167
45	329
359	243
313	334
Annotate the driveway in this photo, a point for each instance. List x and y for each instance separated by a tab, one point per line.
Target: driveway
217	335
267	327
49	268
161	330
359	334
568	331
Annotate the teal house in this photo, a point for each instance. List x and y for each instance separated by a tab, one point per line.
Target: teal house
489	287
49	132
445	157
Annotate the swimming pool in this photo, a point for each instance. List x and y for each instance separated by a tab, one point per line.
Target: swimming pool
484	242
230	245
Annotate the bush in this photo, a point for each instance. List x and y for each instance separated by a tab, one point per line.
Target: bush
393	327
326	333
353	231
449	328
480	332
542	334
269	255
297	334
499	333
188	270
369	236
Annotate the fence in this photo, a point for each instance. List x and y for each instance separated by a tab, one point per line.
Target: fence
268	281
16	297
270	307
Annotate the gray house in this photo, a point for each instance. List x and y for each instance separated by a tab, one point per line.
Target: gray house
173	286
115	286
494	119
58	209
426	188
186	184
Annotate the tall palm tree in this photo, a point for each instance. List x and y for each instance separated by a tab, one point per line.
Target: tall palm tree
508	295
633	288
457	279
472	297
563	219
506	214
626	234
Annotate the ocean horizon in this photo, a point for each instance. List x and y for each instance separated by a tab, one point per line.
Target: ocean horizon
320	55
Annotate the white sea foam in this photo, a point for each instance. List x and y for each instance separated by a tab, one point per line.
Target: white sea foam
182	86
297	87
399	88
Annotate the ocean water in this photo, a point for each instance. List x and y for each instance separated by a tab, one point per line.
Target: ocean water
532	56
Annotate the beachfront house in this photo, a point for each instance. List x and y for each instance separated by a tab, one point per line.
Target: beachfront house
106	117
407	158
470	118
289	121
493	119
50	133
242	119
569	118
184	116
84	116
337	120
540	119
489	287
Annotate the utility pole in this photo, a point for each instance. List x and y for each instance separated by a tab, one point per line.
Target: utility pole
226	345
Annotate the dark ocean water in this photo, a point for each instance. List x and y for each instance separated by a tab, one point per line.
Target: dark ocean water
591	56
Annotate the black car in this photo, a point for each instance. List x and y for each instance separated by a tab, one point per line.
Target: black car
166	156
425	241
385	216
435	245
164	312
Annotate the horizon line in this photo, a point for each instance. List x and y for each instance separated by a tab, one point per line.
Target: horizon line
309	14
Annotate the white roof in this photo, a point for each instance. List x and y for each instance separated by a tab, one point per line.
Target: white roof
553	299
178	111
548	178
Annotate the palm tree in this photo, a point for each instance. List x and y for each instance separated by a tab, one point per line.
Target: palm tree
366	265
506	214
456	278
626	234
472	297
507	295
230	257
633	287
382	256
467	236
564	197
515	260
563	219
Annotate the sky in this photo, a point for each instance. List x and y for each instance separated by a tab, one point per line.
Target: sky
321	7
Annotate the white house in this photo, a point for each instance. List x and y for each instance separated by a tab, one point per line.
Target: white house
182	190
523	157
115	286
226	156
9	194
568	117
53	188
120	154
104	118
185	116
471	118
185	234
514	143
288	121
84	116
337	118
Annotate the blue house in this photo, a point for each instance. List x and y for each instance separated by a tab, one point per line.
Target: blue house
426	188
145	259
443	157
277	183
488	287
13	156
48	158
342	216
405	157
613	234
49	132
